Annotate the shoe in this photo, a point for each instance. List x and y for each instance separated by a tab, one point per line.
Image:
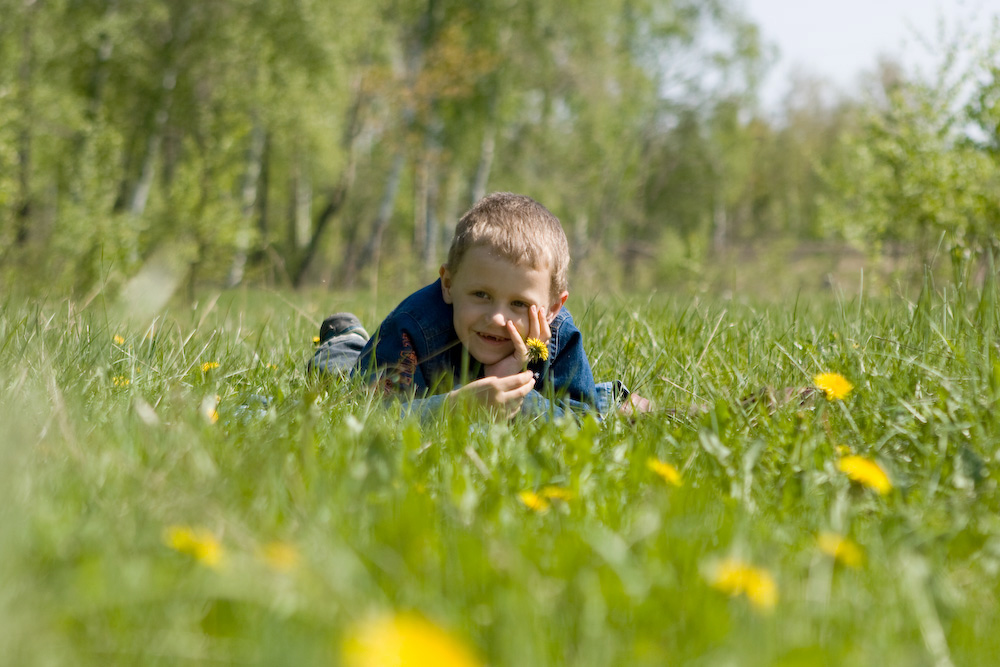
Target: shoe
340	324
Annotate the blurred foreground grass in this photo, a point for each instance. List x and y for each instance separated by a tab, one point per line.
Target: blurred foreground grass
179	492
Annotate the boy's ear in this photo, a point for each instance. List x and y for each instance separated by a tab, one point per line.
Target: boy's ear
445	283
557	305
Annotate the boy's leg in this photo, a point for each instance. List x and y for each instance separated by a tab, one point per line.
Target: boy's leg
341	339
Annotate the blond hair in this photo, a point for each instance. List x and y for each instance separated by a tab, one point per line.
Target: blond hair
518	229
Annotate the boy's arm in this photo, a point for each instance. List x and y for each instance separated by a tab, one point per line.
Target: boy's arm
390	361
569	369
389	358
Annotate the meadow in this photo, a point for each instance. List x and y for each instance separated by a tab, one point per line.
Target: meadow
177	491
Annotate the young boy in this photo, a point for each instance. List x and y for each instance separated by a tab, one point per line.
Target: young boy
464	338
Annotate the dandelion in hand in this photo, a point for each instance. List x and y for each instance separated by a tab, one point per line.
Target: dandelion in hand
834	385
866	473
537	350
198	543
406	640
734	577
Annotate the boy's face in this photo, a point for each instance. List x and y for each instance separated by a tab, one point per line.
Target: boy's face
486	292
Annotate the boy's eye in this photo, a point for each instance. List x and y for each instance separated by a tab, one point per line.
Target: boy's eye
479	294
520	304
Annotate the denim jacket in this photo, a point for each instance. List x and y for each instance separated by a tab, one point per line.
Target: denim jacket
416	352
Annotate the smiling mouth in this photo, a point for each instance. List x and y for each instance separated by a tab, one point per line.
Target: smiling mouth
491	339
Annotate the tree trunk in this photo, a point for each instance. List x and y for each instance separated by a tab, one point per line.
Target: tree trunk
370	253
338	194
301	205
140	195
25	73
428	186
248	201
486	151
719	225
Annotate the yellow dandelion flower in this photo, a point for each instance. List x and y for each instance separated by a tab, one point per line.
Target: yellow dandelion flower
834	385
209	365
315	340
121	381
537	350
533	501
280	556
555	493
735	577
841	549
865	472
404	640
118	340
198	543
210	408
665	470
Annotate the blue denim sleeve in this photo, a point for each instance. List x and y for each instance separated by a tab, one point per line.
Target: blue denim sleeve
389	358
569	370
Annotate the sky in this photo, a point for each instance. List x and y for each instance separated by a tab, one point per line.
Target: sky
839	39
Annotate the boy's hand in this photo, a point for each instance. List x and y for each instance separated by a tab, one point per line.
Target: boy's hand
501	395
538	327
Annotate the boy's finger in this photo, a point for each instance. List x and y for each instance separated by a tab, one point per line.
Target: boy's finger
534	331
520	347
518	393
544	329
515	381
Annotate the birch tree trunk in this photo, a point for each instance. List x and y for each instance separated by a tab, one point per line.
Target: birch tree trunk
248	201
140	194
25	73
487	149
371	252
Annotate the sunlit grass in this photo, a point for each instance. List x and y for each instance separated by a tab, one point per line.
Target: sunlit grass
180	492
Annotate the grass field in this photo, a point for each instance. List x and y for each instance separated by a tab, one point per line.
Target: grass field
156	512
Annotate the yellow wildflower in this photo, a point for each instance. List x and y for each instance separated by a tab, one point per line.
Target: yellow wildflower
315	340
533	501
280	556
834	385
841	549
537	350
734	577
664	470
209	365
118	340
121	381
210	408
404	640
198	543
555	493
865	472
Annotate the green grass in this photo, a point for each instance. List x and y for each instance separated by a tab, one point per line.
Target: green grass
105	445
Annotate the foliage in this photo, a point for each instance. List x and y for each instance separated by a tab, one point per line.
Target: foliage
918	168
248	138
159	508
